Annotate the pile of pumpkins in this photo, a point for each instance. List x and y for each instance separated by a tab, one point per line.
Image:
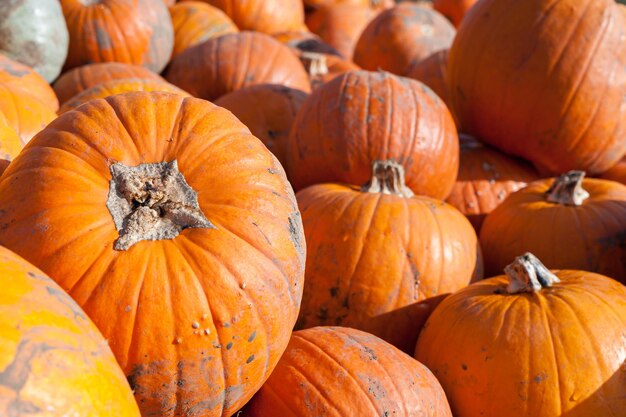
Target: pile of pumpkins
318	208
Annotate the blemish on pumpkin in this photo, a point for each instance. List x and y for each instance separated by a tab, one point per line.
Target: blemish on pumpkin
250	359
296	233
66	300
195	325
334	291
539	378
178	340
464	367
207	331
272	171
229	346
205	316
252	336
127	309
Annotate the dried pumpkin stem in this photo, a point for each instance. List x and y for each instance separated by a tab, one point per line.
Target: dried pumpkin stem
568	189
315	63
388	178
527	274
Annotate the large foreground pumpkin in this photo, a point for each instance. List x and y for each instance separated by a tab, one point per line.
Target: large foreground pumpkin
176	231
544	80
340	372
533	343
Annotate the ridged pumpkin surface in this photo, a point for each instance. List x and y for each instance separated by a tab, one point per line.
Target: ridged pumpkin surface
25	113
24	77
432	72
197	321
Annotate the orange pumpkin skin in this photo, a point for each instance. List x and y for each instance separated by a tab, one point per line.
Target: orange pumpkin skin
557	352
454	10
359	117
594	231
268	110
367	376
25	113
195	329
398	38
305	41
10	143
486	178
374	4
221	65
552	95
130	31
432	72
112	87
24	77
195	22
52	357
617	173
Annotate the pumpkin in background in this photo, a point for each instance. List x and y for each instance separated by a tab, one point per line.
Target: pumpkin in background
195	22
195	290
432	72
534	343
454	10
374	4
323	67
398	38
486	178
112	87
25	113
52	357
570	222
133	32
339	372
379	259
360	117
25	78
34	33
268	110
305	41
221	65
169	3
10	143
82	78
546	83
617	173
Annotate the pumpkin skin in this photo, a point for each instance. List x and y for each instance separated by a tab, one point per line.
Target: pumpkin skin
432	72
10	143
221	65
381	262
181	355
268	110
486	178
195	22
556	352
305	41
82	78
559	88
25	113
398	38
361	116
24	77
34	33
333	359
375	4
323	67
130	31
617	173
594	231
112	87
454	10
52	357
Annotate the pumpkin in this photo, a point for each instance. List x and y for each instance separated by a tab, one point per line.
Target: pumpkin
360	117
134	32
268	110
534	343
486	178
25	78
195	22
398	38
10	143
379	259
570	222
82	78
221	65
34	33
304	41
432	72
617	173
185	246
25	113
338	372
53	360
324	67
552	94
374	4
454	10
112	87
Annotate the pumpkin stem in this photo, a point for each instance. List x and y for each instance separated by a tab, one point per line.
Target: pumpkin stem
315	63
388	178
568	189
527	274
152	202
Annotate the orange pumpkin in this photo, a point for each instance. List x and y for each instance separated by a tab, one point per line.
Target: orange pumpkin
305	41
432	72
532	343
588	216
185	246
268	110
454	10
134	32
25	113
546	83
324	67
398	38
360	117
374	4
338	372
52	357
82	78
486	178
221	65
10	143
380	259
19	75
195	22
112	87
617	173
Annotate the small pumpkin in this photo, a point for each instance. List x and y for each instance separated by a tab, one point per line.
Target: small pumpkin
379	258
533	343
338	372
571	222
25	78
324	67
454	10
10	143
221	65
398	38
617	172
432	72
25	113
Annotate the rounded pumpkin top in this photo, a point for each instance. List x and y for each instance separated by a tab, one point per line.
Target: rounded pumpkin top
266	16
24	77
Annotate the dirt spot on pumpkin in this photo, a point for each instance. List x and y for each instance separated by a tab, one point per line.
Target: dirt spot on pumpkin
67	301
296	233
